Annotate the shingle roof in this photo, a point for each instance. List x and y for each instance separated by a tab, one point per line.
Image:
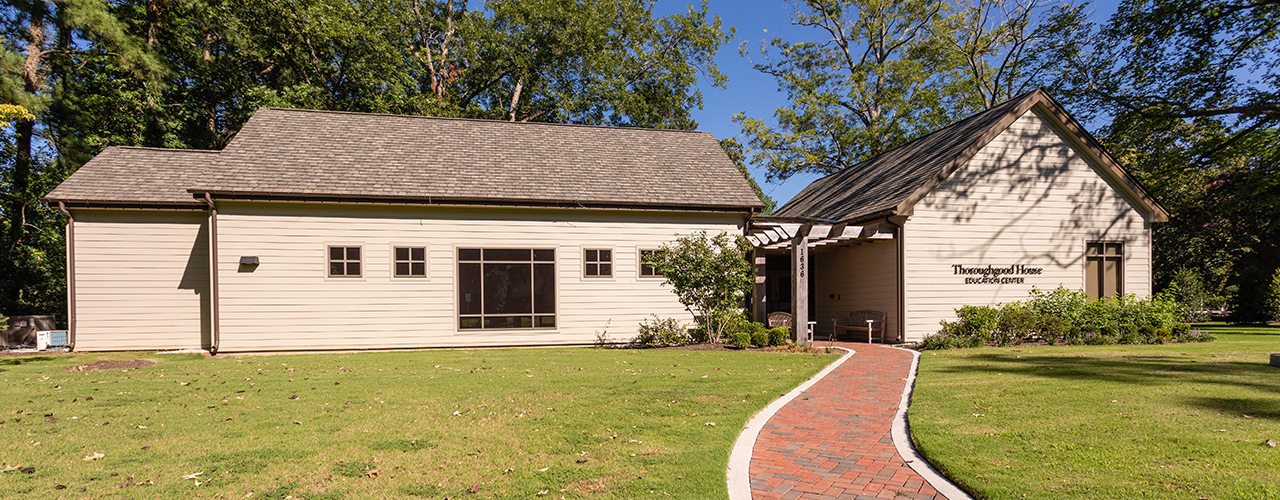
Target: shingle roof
288	153
122	175
894	181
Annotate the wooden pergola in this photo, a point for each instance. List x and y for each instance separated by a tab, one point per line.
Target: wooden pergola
799	236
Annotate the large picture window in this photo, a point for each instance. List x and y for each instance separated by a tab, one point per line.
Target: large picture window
1104	268
506	288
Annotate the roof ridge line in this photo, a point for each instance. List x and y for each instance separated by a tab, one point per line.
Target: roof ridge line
488	120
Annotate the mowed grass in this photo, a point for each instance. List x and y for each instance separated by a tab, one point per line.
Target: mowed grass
1163	421
522	423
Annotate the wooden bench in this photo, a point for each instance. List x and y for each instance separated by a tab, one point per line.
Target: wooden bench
872	322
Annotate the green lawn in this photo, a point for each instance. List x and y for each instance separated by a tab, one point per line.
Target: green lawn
1163	421
530	423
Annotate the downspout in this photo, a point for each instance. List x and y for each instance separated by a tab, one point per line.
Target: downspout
71	276
902	280
213	275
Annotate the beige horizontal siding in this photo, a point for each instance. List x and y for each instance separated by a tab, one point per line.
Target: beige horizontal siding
142	280
287	303
1026	198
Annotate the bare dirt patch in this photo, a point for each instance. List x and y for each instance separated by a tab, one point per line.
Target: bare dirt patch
128	364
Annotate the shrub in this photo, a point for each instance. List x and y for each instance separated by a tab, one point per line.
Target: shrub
1054	329
1128	334
1017	322
709	274
760	338
938	341
779	336
1189	292
657	332
741	340
973	321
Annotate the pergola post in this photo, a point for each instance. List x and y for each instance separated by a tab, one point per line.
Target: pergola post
800	284
758	293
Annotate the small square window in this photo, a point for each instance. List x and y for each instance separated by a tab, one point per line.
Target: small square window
344	262
411	262
646	270
597	263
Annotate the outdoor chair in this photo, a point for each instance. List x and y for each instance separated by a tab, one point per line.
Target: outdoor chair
872	322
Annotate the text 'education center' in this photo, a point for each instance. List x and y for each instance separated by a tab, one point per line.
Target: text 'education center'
321	230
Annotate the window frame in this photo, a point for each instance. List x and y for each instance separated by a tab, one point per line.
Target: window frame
328	262
640	265
426	253
457	289
613	263
1102	257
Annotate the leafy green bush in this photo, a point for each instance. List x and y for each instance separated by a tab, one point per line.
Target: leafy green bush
710	276
779	336
760	338
741	340
1070	317
1189	292
658	332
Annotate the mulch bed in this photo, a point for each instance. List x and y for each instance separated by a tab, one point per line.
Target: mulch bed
128	364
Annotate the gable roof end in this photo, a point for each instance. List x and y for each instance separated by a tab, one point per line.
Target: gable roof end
894	181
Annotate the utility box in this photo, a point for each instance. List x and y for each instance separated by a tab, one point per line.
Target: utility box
51	339
1275	359
22	330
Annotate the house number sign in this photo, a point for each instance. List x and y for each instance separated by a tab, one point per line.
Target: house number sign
996	275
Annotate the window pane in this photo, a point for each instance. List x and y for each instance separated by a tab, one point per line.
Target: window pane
508	321
605	255
335	269
402	253
469	289
335	253
646	270
1091	270
544	288
544	322
469	323
606	270
353	269
506	254
1110	277
468	254
592	256
508	288
419	253
544	255
402	269
353	253
592	270
1093	249
1113	249
419	269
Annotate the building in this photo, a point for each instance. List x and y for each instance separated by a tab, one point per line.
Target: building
321	230
976	213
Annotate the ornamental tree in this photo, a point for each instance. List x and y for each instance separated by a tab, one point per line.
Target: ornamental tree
710	275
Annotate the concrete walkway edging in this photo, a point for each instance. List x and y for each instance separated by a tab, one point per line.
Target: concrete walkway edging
739	472
901	434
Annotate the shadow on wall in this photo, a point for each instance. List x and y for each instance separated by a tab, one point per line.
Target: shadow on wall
195	277
1036	163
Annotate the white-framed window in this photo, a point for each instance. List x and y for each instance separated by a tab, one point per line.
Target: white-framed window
646	270
1104	268
345	261
506	288
597	263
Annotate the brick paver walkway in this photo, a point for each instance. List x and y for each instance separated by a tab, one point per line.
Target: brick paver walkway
832	442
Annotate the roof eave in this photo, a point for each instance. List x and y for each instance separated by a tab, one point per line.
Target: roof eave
463	201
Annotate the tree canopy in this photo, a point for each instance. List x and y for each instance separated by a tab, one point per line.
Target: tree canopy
189	73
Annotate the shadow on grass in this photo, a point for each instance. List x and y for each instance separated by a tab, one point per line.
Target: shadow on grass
24	360
1259	409
1145	370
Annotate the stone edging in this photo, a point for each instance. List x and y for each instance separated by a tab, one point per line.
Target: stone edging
901	434
739	473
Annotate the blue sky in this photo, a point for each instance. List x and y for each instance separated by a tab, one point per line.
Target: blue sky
752	92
